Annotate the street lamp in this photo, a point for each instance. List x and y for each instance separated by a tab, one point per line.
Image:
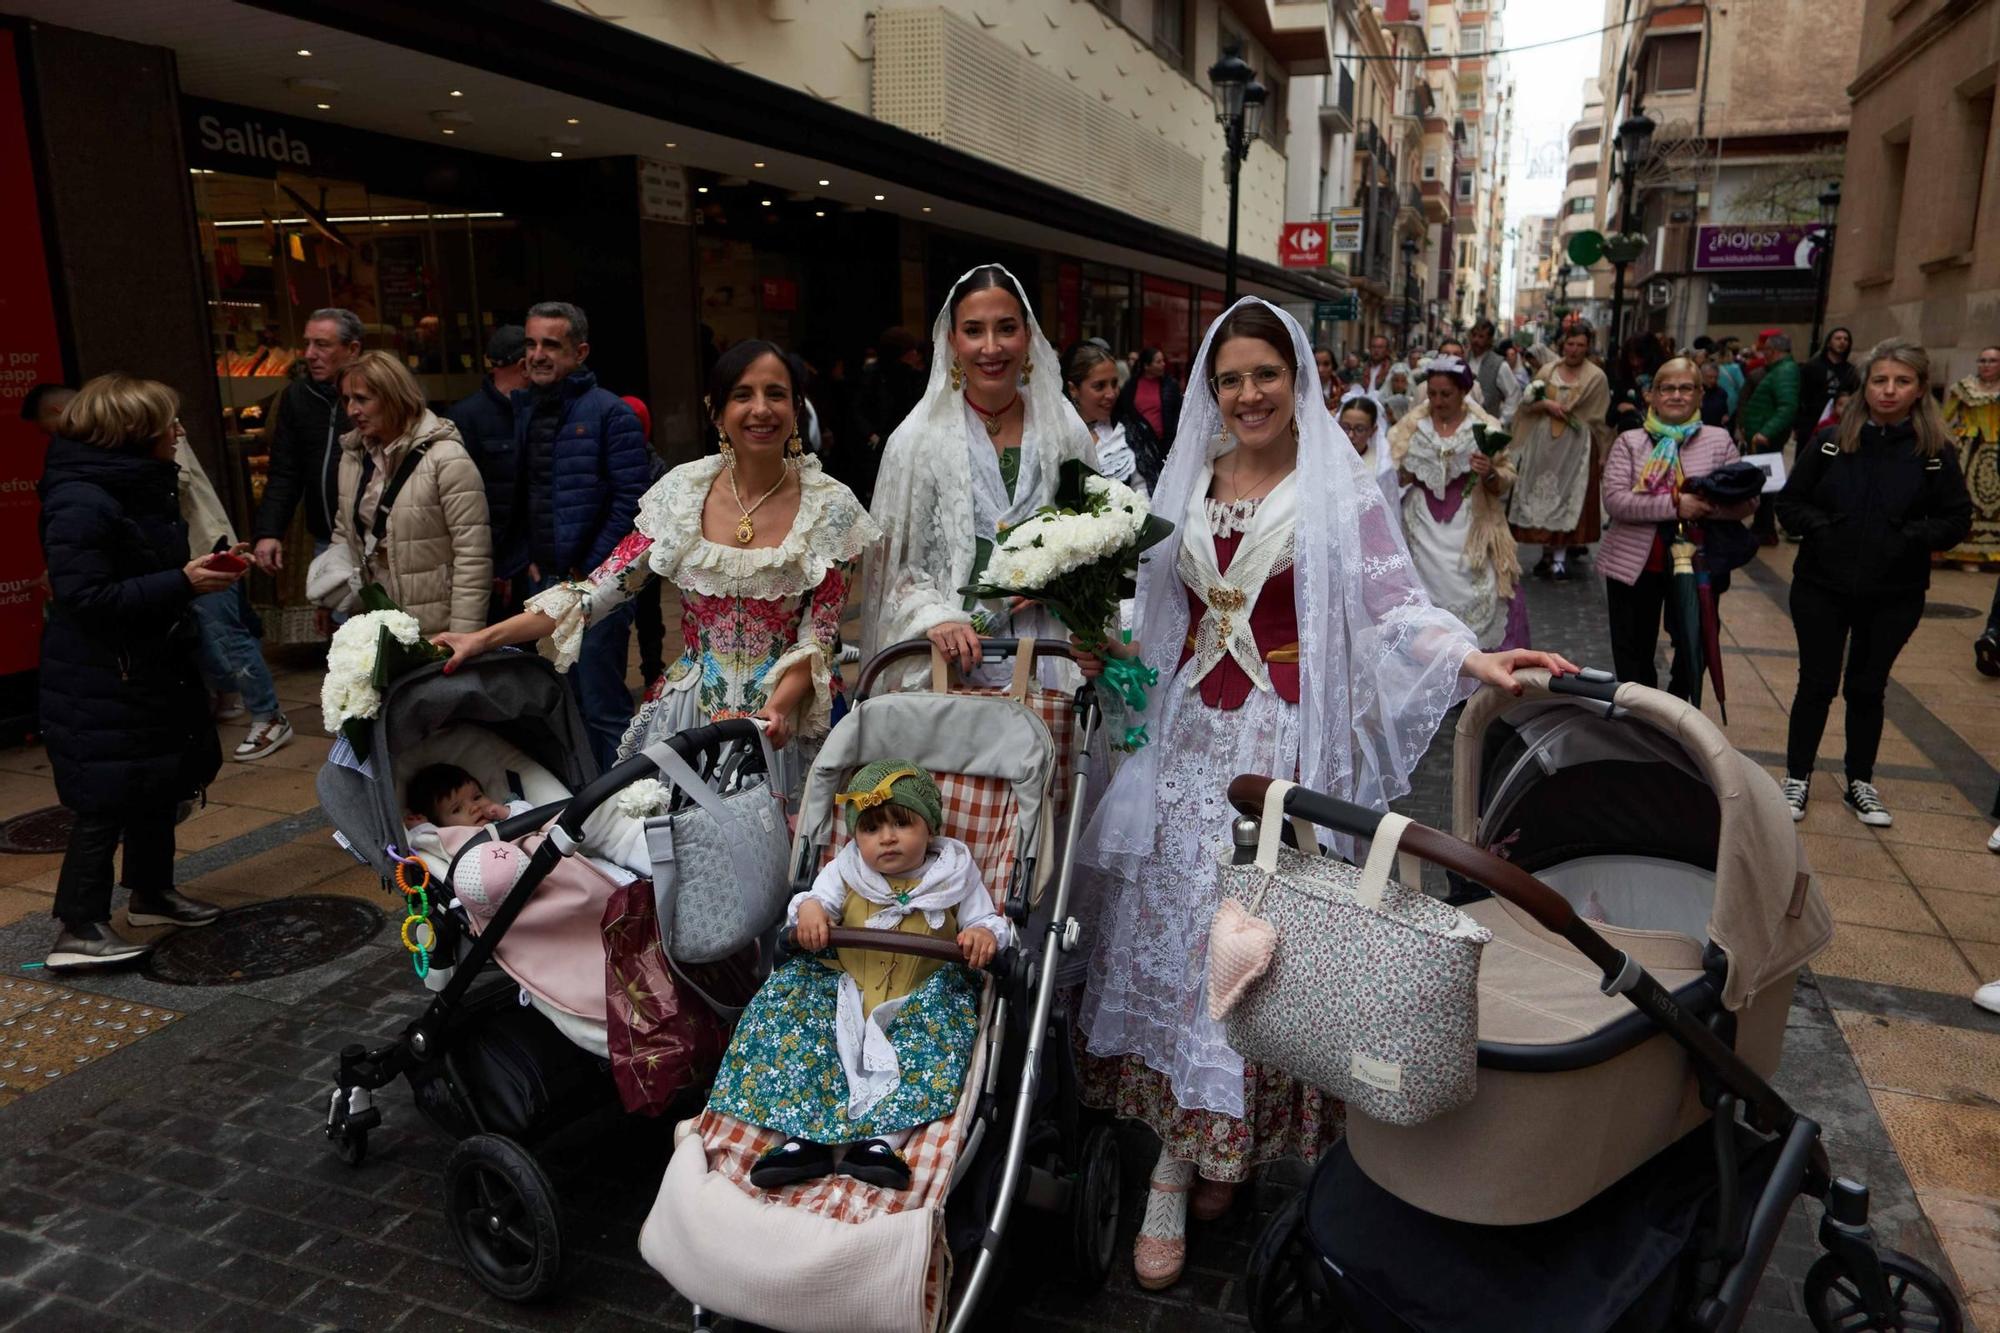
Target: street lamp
1635	144
1829	210
1239	109
1409	288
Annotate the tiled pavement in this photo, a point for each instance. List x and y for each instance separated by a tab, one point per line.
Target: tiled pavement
179	1181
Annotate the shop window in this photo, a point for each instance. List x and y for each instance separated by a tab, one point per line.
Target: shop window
1673	62
1166	316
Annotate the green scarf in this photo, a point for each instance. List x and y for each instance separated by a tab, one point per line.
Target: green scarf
1665	460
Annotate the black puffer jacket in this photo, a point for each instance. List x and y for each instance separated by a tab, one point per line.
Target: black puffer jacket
485	421
124	712
305	460
1869	520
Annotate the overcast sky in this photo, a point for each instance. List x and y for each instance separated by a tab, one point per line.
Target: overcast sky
1548	97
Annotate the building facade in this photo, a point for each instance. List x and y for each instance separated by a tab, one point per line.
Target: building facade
1745	140
1917	253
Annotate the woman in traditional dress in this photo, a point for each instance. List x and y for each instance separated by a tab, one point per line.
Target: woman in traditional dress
1455	510
1972	410
1559	438
1293	638
761	544
1090	378
981	452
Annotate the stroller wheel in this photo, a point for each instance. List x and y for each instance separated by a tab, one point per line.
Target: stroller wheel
1919	1300
504	1217
1287	1291
1094	1208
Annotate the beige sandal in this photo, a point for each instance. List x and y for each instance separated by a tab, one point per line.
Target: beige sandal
1212	1198
1160	1252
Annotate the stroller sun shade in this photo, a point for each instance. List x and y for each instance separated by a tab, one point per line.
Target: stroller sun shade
1560	783
517	696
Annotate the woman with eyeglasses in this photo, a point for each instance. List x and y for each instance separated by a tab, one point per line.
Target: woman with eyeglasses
1454	509
1292	637
1644	476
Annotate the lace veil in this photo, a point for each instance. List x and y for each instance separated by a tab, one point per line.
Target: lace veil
1378	662
938	488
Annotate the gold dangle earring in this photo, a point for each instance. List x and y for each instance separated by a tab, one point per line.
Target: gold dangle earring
722	444
795	449
1027	370
957	377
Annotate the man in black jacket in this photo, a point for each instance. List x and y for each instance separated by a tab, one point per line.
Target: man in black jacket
485	421
305	440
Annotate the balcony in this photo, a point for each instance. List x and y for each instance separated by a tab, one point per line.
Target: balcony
1436	201
1336	108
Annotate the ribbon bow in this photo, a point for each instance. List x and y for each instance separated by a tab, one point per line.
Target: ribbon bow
876	795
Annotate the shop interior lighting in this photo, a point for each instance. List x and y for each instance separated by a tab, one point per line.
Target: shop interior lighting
358	217
757	164
572	121
449	130
819	212
304	52
673	145
826	182
763	203
701	189
555	152
324	106
456	93
880	197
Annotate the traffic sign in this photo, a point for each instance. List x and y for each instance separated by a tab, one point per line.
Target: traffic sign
1346	306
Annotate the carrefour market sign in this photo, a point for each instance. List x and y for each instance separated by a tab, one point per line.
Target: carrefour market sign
1737	247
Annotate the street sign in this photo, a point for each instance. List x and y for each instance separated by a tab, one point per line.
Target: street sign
1303	245
1586	247
1347	306
1347	226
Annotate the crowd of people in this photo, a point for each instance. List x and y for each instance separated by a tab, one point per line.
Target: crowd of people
1344	569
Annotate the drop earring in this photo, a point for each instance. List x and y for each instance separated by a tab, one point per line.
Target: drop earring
795	449
1027	369
957	377
727	449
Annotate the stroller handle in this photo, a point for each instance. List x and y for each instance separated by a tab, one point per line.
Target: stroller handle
990	650
690	745
882	941
1505	879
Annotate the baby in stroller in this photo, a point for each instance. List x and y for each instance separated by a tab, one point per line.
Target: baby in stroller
854	1049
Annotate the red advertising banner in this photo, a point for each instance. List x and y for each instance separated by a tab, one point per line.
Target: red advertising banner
1303	245
29	353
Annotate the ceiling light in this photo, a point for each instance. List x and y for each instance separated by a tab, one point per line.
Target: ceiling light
572	121
304	52
451	131
826	182
763	203
880	197
819	212
673	145
555	152
456	93
324	106
701	189
756	164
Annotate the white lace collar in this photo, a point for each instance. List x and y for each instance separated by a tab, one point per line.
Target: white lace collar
831	528
1437	460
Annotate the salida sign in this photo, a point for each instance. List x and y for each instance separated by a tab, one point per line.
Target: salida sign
1303	245
250	138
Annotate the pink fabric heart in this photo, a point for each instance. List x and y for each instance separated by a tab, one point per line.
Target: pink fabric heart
1240	949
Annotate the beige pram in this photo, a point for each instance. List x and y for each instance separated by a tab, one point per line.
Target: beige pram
1624	1164
881	1261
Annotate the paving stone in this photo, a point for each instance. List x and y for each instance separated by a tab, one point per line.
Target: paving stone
26	1209
16	1302
164	1302
18	1254
236	1317
347	1305
268	1282
79	1275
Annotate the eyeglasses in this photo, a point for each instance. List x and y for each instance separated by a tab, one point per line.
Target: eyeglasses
1230	382
1676	390
1360	430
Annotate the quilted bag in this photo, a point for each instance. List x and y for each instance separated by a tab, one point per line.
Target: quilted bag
719	864
1344	978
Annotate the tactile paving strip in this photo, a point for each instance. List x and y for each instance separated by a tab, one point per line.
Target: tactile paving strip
49	1031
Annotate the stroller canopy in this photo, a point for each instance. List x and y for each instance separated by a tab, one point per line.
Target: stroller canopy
517	696
1651	776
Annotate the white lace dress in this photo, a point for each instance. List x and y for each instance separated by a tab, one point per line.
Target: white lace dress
748	615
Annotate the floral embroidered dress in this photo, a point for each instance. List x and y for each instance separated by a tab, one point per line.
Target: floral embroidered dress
1972	410
1152	1051
748	614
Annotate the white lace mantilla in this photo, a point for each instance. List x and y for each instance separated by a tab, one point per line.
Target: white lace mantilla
831	528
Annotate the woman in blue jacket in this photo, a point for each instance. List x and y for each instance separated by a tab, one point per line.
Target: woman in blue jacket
1870	498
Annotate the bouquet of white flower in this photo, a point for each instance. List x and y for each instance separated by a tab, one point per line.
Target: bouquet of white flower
1078	557
368	651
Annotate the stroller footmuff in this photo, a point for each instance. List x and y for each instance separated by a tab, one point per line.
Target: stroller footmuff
1623	1163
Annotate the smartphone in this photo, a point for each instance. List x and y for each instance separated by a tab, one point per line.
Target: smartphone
227	562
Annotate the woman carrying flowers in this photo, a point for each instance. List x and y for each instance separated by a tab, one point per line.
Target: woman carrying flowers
1293	638
1558	440
761	544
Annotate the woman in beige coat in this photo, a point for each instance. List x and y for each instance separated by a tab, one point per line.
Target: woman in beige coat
435	552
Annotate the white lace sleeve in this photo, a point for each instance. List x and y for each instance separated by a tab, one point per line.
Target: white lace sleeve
577	604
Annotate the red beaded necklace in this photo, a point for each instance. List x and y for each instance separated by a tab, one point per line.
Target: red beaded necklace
991	420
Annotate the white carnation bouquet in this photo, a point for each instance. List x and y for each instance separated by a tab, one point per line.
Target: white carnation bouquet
1079	556
368	651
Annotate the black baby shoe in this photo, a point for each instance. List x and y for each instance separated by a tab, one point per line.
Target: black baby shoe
875	1163
792	1161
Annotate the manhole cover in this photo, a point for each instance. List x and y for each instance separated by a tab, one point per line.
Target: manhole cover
264	940
1949	611
37	832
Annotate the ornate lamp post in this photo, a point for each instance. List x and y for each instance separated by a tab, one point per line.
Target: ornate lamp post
1239	109
1829	210
1635	146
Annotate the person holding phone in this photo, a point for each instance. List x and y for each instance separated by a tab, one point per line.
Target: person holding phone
125	714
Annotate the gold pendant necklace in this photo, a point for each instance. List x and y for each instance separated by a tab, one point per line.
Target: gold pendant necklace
746	531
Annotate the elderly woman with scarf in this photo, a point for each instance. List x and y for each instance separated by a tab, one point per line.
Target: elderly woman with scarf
981	452
1455	509
1643	476
1292	637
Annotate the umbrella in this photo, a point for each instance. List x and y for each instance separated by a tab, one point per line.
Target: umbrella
1684	618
